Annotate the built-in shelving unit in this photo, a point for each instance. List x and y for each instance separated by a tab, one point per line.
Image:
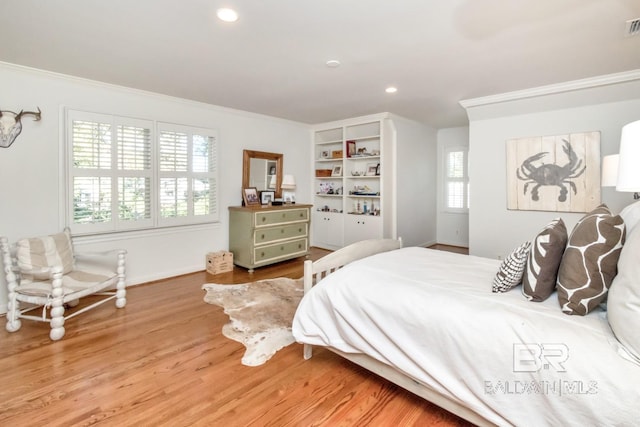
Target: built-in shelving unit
348	182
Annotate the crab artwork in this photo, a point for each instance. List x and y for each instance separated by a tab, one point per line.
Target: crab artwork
551	174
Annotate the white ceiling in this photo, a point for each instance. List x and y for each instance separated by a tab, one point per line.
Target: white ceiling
272	60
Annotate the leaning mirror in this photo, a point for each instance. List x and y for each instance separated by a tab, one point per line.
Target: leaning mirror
262	170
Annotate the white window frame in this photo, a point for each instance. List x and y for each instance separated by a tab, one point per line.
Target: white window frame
446	180
115	224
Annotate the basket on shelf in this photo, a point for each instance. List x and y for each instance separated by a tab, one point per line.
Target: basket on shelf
323	172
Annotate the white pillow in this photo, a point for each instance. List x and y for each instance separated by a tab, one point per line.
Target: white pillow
631	216
623	304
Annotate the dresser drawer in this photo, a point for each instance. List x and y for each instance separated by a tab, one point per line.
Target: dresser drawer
272	234
268	218
280	250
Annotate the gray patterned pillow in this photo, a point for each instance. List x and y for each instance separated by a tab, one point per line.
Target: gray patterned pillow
589	262
541	272
511	269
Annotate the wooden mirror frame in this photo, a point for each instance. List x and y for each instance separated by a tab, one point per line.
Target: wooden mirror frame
247	155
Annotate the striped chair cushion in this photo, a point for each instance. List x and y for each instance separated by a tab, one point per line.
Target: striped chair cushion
43	252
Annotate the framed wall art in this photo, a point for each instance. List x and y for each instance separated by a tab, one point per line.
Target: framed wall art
559	173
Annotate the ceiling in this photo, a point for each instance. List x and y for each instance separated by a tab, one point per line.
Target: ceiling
272	60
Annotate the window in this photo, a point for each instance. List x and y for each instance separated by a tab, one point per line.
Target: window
121	177
456	189
187	165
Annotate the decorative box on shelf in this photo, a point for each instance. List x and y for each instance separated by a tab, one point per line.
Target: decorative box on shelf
336	154
323	173
219	262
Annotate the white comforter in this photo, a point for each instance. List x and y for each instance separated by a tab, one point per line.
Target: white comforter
432	316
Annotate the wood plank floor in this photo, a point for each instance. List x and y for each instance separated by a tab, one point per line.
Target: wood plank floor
162	360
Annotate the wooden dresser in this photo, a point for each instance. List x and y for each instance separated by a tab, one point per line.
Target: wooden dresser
265	235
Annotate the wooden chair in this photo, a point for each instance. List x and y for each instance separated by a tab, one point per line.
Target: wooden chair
45	273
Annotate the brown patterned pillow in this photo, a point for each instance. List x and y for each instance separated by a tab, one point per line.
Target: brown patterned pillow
589	262
511	270
541	271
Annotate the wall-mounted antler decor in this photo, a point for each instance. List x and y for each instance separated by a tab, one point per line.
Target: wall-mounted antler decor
11	126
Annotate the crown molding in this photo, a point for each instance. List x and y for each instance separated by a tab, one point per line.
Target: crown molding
588	83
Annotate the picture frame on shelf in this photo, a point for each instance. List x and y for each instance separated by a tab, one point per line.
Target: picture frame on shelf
351	148
272	170
267	197
325	155
378	169
250	196
372	169
337	170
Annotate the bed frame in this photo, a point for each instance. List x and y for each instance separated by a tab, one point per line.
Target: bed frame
314	271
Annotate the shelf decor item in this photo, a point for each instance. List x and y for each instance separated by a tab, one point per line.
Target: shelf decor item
337	171
336	154
323	173
351	148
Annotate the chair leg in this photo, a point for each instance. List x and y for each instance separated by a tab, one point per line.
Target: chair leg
121	291
57	308
13	305
13	313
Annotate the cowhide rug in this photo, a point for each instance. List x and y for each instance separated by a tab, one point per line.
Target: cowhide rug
261	314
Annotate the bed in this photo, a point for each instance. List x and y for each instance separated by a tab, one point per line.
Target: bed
428	321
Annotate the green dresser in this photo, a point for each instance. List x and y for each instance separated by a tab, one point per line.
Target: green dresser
265	235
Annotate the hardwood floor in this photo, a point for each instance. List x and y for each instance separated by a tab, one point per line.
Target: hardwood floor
162	360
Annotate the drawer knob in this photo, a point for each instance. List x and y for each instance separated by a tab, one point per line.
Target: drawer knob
282	231
262	237
264	219
282	248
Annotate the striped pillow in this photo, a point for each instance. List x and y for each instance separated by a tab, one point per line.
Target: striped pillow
541	272
43	252
511	269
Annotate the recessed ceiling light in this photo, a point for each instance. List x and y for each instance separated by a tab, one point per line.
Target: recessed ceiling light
333	63
391	89
227	15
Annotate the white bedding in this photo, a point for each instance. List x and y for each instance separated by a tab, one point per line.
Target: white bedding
432	315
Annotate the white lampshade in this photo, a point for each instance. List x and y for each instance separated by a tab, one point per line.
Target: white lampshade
610	170
288	182
629	162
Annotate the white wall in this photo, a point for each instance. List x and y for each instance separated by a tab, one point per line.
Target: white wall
416	172
453	227
494	230
32	175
